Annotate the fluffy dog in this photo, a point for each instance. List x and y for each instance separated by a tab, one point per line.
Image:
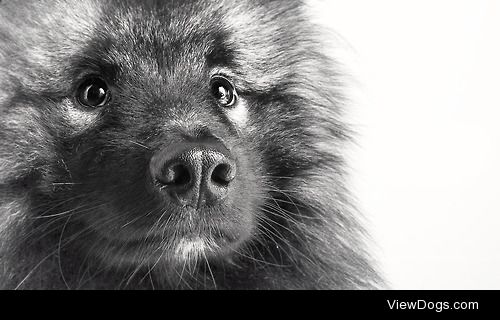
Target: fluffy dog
172	144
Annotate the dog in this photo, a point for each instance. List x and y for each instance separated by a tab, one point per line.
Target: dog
173	145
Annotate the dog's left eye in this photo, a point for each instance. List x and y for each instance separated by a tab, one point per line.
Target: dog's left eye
93	93
224	91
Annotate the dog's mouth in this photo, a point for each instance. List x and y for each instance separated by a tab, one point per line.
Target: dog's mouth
179	244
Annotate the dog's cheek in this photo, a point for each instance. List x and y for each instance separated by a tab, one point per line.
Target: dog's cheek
26	146
32	141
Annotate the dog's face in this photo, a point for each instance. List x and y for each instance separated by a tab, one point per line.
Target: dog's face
161	128
165	151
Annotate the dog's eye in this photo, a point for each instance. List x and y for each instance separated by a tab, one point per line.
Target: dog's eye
93	93
224	91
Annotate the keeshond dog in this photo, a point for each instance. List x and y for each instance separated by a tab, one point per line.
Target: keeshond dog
173	145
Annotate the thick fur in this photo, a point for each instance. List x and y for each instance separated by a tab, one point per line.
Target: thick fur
67	172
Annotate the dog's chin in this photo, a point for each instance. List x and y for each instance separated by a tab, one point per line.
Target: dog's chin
185	243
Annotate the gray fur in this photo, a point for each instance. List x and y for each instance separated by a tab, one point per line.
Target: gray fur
294	123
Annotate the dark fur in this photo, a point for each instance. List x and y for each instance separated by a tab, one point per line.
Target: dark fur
66	171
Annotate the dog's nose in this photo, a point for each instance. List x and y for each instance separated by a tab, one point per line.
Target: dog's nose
194	174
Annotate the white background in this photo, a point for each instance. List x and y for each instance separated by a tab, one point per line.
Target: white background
427	110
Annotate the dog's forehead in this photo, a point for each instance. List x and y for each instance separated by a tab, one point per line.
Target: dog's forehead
241	32
259	37
176	30
159	33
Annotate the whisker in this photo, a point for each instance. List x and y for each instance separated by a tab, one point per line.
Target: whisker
34	269
210	270
59	254
66	183
139	144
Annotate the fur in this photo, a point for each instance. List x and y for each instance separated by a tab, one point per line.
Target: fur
69	175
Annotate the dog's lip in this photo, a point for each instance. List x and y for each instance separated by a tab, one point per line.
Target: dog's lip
151	238
160	245
139	239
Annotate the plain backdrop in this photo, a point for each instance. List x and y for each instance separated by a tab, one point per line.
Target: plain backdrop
426	107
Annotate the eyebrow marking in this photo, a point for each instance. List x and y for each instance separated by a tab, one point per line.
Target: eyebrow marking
220	52
238	115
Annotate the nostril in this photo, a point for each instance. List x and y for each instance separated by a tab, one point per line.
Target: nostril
176	175
194	175
223	174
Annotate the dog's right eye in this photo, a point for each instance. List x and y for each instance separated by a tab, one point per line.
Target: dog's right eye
93	93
